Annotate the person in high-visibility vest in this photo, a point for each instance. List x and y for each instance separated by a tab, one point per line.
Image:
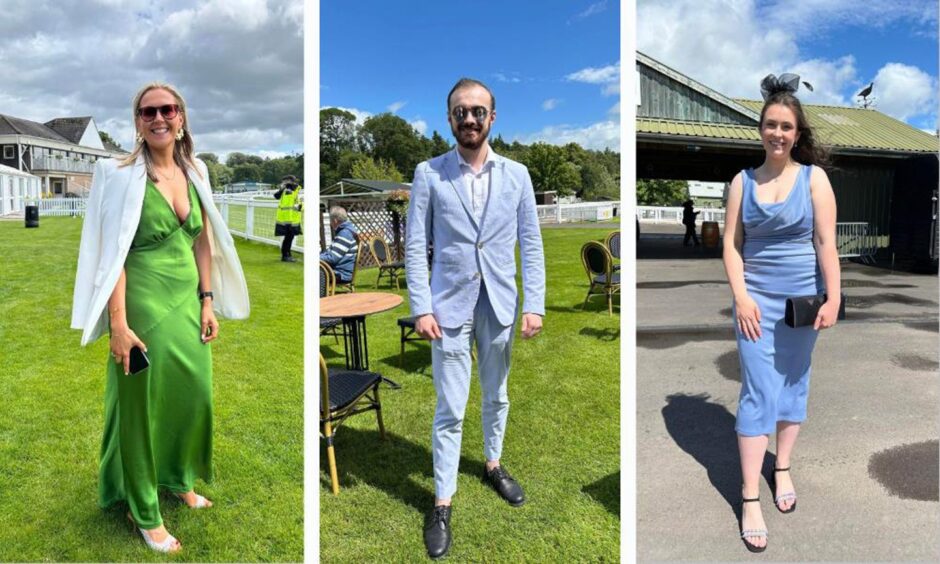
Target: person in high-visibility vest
289	212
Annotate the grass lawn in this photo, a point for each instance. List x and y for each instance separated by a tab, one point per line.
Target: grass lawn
52	408
562	440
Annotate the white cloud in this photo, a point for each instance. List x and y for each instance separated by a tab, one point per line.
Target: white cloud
600	75
730	45
420	125
615	109
830	79
550	104
595	8
361	115
611	89
502	77
395	106
903	91
597	136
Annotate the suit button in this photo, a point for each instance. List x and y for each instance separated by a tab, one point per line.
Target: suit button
476	276
479	245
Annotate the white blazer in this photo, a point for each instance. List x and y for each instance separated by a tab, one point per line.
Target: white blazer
111	218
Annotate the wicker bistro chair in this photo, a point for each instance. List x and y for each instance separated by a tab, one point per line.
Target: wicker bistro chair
344	393
329	325
599	266
382	255
613	245
351	285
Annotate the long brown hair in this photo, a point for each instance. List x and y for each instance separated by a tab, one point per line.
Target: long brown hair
183	149
807	150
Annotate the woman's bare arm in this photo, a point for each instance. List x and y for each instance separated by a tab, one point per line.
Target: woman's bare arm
824	239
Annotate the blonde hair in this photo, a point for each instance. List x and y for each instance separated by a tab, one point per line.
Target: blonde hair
183	149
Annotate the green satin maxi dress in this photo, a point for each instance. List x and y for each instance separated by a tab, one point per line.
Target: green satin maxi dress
158	423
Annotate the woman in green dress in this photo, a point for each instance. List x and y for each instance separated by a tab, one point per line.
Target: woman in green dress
158	421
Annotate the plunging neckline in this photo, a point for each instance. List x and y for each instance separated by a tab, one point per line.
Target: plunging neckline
169	204
796	181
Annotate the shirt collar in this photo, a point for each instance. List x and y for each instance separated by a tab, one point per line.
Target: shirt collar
486	162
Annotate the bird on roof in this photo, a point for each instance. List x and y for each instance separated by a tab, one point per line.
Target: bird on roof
866	91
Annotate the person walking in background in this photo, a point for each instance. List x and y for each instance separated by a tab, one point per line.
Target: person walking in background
779	242
289	214
475	206
688	219
152	244
344	248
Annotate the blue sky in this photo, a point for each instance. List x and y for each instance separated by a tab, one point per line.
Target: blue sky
839	46
553	65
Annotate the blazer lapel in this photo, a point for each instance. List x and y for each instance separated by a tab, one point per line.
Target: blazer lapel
134	201
456	181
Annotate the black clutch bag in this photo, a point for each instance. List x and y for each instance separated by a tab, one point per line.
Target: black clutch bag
802	310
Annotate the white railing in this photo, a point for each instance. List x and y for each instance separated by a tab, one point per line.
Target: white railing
65	207
583	212
249	216
252	215
62	164
854	240
652	214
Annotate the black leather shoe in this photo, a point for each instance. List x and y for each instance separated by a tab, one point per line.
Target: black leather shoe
505	485
437	531
288	259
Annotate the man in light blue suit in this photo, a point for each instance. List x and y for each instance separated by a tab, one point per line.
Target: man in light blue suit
473	206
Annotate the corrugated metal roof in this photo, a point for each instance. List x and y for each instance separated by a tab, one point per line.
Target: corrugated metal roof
697	129
839	126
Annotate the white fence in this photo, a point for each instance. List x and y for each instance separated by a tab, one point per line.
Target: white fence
650	214
252	215
583	212
63	207
249	215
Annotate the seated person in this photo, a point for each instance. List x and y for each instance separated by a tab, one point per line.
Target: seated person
342	252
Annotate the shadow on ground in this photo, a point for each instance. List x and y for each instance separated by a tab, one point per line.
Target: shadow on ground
362	457
705	430
608	335
606	491
658	340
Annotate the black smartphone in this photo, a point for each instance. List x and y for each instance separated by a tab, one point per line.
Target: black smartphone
139	361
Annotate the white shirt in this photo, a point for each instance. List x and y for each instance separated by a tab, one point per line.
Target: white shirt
477	182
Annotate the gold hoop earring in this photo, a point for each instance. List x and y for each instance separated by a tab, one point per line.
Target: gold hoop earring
180	134
139	138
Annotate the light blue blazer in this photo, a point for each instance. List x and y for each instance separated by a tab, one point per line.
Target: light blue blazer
467	253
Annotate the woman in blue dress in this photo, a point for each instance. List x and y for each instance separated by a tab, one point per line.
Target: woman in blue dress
779	242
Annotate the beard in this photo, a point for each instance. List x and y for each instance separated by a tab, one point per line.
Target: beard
462	134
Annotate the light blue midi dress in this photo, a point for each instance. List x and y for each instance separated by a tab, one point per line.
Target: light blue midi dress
779	262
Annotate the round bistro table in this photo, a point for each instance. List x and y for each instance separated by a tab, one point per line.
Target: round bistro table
353	308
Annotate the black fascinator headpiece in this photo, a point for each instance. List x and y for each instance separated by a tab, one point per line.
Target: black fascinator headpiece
786	82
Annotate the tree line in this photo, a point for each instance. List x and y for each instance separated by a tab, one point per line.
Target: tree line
239	167
386	147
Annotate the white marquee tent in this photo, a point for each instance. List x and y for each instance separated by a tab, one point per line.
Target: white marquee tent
16	188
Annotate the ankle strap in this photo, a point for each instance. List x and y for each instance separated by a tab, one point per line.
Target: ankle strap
746	500
787	469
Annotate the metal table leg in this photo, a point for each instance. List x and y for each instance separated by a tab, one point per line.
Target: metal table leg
356	343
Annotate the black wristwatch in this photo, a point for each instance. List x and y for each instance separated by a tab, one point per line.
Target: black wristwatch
204	295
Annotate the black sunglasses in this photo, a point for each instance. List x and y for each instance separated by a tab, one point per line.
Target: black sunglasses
149	113
460	113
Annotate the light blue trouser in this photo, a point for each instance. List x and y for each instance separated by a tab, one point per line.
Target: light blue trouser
450	360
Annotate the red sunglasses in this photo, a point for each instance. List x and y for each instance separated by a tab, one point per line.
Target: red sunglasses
149	113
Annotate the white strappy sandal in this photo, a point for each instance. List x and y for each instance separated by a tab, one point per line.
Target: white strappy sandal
201	502
166	546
